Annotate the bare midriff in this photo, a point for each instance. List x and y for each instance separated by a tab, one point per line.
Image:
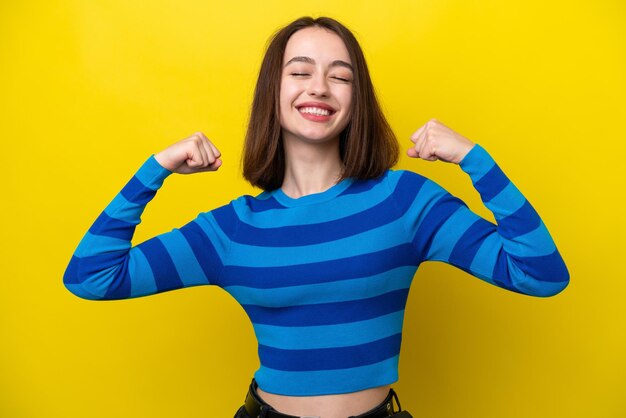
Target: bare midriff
327	406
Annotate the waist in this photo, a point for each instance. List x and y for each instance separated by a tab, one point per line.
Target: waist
335	405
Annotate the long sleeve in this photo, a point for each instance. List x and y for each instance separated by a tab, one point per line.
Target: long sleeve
106	266
517	254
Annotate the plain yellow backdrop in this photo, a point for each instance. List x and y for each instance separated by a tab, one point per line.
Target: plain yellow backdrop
89	89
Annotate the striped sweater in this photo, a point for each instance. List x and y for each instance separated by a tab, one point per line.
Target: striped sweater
324	278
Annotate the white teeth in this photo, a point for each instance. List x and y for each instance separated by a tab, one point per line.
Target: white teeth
315	111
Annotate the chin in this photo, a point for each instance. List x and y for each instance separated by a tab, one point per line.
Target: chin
320	139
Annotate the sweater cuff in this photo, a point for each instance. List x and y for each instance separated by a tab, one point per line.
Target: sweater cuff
477	163
152	174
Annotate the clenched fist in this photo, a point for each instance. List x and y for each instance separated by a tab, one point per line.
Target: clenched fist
435	141
190	155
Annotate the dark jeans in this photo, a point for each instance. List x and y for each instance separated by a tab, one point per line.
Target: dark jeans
241	413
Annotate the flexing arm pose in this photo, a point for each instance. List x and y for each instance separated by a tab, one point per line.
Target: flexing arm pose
322	260
106	266
518	254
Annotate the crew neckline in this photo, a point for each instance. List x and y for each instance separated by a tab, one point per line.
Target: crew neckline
312	198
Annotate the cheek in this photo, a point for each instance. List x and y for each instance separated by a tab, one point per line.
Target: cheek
285	101
287	91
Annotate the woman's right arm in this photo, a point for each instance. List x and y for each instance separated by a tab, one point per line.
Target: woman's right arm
106	266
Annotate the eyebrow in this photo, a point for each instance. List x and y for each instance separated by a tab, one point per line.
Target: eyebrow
307	60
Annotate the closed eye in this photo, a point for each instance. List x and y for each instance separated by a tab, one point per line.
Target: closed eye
342	79
299	74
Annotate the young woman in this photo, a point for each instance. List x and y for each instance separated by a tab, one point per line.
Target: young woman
322	259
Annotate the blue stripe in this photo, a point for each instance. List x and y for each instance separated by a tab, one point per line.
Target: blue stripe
204	251
123	210
322	382
410	186
306	214
98	283
227	219
538	288
361	265
324	336
309	234
111	227
501	274
541	289
450	233
184	259
210	233
79	290
477	162
492	183
362	186
437	216
94	244
338	291
506	202
261	205
136	192
330	358
427	198
484	261
165	274
314	233
548	268
523	221
468	245
94	265
386	236
329	313
119	284
71	271
152	174
142	281
535	243
538	282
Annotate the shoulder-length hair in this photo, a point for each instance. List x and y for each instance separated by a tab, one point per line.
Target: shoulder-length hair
367	147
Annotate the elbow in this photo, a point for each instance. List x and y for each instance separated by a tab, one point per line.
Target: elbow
544	277
79	287
80	291
93	281
78	283
563	284
559	280
544	288
552	290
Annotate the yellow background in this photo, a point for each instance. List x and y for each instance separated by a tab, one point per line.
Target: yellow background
89	89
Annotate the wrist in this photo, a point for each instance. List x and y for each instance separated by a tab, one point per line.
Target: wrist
162	162
464	153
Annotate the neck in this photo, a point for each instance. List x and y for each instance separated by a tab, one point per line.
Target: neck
310	168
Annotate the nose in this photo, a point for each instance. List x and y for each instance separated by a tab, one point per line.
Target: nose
318	86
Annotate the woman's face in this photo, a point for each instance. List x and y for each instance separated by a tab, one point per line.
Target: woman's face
316	87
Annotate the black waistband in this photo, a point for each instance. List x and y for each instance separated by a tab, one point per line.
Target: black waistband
257	408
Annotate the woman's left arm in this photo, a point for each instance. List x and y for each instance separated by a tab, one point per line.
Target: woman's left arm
518	253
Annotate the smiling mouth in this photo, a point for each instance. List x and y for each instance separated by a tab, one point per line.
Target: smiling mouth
315	111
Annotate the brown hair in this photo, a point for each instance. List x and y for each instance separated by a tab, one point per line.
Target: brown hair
367	145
